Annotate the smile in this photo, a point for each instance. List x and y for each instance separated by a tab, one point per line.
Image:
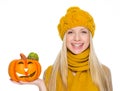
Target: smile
77	45
24	76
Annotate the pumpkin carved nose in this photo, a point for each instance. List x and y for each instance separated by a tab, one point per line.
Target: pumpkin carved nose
26	69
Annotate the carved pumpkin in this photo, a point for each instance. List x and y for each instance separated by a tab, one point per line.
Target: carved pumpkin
25	69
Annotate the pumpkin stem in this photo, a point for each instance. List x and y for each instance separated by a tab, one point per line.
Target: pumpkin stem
23	56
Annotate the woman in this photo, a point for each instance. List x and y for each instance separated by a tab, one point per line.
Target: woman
76	67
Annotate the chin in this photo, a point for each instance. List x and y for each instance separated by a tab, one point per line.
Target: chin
78	52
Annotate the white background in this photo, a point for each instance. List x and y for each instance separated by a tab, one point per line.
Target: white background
31	25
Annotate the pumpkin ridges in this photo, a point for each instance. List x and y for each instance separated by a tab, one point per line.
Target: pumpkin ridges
11	70
39	68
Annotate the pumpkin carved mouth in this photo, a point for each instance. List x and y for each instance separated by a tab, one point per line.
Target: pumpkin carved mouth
24	76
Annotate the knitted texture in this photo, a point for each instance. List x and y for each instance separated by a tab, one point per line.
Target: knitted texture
82	81
78	62
75	17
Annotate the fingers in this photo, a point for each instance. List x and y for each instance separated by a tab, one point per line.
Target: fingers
39	82
35	82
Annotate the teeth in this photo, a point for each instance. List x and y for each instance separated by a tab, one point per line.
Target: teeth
18	74
77	45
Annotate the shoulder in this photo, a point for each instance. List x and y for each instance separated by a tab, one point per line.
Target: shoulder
47	73
108	76
48	70
106	69
107	72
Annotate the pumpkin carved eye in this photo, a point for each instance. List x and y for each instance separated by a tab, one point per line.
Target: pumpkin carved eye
25	69
20	63
29	62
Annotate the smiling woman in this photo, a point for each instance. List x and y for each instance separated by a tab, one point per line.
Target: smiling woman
77	39
25	69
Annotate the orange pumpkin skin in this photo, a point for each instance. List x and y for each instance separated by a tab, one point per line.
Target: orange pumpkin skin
24	69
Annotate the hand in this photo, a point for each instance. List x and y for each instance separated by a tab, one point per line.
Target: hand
39	82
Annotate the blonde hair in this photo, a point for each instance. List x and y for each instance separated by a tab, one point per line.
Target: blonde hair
97	73
59	65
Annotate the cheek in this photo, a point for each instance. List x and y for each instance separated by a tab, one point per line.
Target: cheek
32	68
20	67
69	39
68	43
87	42
86	38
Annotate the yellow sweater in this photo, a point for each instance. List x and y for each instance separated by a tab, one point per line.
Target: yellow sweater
80	82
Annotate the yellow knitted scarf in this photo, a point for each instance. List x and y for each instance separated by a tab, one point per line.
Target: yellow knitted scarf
81	81
78	62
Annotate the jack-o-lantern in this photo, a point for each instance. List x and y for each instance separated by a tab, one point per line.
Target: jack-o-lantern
25	69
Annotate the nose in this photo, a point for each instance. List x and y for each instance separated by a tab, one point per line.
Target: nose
77	37
25	69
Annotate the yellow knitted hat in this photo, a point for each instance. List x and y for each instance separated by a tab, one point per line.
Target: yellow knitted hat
73	18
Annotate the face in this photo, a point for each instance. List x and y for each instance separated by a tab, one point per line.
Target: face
77	39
